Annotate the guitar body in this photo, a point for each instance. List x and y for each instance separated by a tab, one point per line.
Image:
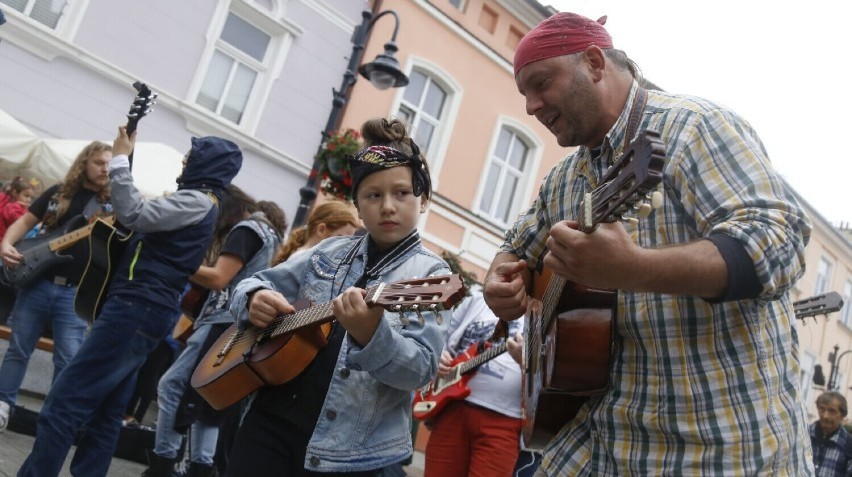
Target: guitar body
429	402
39	256
106	245
183	329
568	355
193	300
240	362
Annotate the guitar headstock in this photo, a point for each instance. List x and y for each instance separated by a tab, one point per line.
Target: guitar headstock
627	187
817	305
141	105
418	294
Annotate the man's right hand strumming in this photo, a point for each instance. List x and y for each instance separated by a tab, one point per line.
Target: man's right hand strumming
505	289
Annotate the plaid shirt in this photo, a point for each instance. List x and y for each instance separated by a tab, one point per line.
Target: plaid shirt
698	388
830	454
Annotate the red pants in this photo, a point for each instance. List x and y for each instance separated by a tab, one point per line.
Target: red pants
471	441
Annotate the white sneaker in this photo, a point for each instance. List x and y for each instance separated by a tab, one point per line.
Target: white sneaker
4	415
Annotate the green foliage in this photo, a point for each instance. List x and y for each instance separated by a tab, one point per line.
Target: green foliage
468	278
333	163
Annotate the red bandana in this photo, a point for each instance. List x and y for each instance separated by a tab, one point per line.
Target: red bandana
562	34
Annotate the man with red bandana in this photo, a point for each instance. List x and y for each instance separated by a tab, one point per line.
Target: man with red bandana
704	374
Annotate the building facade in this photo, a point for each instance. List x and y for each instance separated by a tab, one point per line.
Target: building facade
258	72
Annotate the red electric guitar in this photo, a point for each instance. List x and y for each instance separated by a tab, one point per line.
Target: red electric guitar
430	400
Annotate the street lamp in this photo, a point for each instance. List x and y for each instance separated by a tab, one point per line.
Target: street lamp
383	72
833	359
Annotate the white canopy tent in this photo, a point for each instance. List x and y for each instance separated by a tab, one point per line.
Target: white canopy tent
22	152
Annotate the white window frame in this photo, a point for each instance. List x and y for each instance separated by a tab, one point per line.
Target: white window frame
281	33
443	131
807	362
39	39
527	182
846	310
822	282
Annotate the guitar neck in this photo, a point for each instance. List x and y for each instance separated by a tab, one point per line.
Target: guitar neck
313	315
65	241
481	358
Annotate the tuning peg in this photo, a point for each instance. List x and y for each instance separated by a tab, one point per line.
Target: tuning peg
656	199
403	319
644	210
439	318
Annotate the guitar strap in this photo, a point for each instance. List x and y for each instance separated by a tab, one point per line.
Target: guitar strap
640	99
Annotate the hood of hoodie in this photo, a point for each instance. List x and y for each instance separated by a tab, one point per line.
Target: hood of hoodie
212	164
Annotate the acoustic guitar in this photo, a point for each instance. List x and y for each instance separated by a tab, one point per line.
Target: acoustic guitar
241	361
43	253
107	241
429	401
191	305
568	327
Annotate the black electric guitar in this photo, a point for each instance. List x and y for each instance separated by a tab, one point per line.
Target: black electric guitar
43	253
107	241
817	305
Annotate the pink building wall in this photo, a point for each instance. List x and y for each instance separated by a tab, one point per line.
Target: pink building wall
476	64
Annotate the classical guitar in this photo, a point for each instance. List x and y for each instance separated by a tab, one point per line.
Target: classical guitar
43	253
241	361
107	241
568	327
817	305
429	401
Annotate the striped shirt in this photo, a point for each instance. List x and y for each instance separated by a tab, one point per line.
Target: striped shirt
698	388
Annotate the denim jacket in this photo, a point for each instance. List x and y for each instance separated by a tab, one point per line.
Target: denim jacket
216	310
365	421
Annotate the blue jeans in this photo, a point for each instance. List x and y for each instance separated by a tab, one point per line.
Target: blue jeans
94	389
36	304
173	384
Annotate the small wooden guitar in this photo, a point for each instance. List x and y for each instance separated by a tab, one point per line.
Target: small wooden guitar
568	327
817	305
107	242
429	401
241	361
43	253
191	306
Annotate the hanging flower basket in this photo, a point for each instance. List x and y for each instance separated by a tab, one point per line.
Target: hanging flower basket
333	165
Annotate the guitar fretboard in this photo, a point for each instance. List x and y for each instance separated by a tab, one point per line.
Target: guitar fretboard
313	315
488	355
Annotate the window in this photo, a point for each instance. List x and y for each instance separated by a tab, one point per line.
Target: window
459	4
504	177
806	374
46	12
823	278
846	311
422	107
233	69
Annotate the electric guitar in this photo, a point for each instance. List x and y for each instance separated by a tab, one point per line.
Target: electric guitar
429	401
43	253
107	241
568	327
241	361
817	305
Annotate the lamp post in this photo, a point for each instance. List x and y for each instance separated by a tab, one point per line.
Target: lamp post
383	72
833	359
